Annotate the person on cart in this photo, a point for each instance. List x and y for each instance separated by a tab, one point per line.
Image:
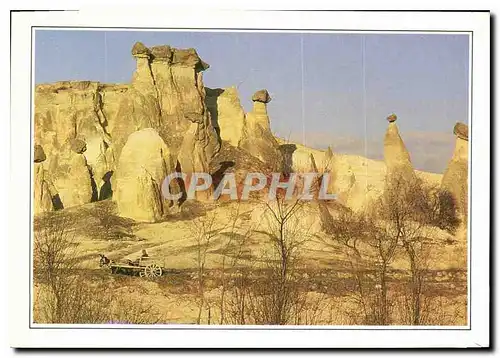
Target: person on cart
137	261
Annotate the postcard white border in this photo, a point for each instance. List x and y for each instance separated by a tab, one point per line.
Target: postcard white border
206	336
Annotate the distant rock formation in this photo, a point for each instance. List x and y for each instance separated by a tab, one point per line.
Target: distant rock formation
257	138
144	163
396	156
329	157
316	184
455	178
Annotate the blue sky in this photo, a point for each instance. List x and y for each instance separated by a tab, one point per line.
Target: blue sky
339	87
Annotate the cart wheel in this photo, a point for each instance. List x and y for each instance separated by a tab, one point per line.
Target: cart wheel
152	270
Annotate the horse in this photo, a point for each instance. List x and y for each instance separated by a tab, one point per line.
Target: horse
104	261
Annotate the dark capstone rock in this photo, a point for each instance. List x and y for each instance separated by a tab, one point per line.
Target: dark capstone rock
261	96
392	118
461	130
140	49
78	146
202	66
39	155
163	52
189	58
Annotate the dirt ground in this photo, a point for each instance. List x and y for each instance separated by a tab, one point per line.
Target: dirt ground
325	276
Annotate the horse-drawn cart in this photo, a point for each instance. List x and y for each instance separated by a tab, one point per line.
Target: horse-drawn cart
144	266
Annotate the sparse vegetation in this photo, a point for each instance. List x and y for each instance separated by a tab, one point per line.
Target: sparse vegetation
255	272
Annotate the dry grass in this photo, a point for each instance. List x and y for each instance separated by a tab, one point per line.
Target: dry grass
241	274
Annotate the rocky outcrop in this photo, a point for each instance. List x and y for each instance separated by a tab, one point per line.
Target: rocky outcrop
42	186
77	114
39	154
461	130
227	113
261	96
78	146
350	192
329	157
198	147
68	110
144	163
166	93
72	176
396	156
257	138
42	193
343	183
455	178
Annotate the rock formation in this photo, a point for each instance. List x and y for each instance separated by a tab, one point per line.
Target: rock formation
396	156
166	93
257	138
42	186
72	176
78	146
68	110
349	191
39	154
455	178
144	163
329	158
84	125
227	113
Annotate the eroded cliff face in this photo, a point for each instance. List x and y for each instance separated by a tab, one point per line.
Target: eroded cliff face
228	116
166	93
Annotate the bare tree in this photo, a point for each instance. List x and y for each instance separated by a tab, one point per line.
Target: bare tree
54	261
204	230
232	249
65	293
368	248
407	210
274	295
384	244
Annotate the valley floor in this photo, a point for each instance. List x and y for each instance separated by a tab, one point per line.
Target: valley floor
217	270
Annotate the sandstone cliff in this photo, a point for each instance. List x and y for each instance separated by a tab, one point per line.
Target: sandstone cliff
228	116
166	93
